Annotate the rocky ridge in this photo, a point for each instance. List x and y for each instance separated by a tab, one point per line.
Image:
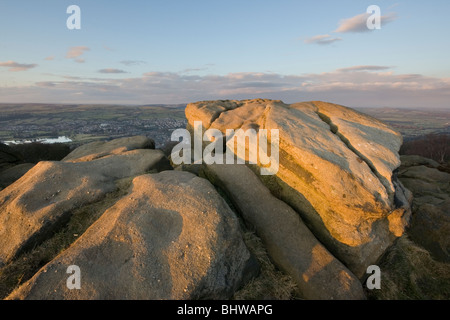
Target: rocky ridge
335	169
333	208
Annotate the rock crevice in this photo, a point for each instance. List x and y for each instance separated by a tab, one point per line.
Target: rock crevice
335	129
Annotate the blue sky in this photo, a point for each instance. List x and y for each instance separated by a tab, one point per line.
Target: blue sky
139	52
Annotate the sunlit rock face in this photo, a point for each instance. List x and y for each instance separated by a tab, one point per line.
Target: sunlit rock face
336	169
288	241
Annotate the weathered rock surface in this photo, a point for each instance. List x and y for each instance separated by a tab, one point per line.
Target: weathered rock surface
171	237
335	169
44	198
370	139
100	149
430	223
207	111
290	244
415	160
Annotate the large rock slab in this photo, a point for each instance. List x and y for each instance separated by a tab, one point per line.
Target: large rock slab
335	169
171	237
415	160
99	149
290	244
208	111
44	198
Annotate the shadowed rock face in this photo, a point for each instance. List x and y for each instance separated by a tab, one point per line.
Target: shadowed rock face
335	169
171	237
12	174
430	223
8	157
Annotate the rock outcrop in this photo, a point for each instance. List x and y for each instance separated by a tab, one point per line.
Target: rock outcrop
100	149
335	169
43	200
171	237
335	202
430	223
415	160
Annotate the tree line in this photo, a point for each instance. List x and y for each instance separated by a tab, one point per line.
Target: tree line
433	146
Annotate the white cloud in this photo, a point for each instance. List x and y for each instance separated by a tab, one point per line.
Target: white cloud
354	24
16	67
323	39
188	70
76	52
354	86
358	23
363	68
111	70
132	62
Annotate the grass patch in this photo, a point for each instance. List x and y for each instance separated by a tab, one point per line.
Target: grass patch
271	284
408	272
25	266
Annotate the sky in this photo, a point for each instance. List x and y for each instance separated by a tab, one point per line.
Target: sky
170	52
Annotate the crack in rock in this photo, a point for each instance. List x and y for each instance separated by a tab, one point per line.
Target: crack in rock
335	130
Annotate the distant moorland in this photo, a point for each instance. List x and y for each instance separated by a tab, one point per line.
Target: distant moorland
413	123
85	123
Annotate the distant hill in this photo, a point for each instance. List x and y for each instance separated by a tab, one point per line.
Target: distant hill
84	123
413	123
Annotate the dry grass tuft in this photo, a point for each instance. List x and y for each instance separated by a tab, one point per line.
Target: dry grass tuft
271	284
408	272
